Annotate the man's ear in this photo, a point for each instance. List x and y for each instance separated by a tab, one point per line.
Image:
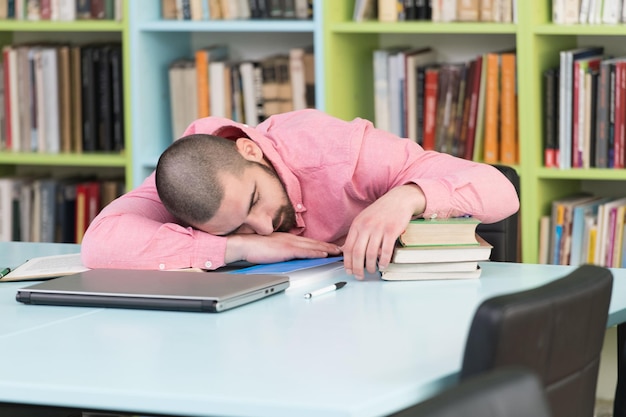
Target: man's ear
249	149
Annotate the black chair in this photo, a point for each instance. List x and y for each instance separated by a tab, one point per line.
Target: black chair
556	330
504	235
513	392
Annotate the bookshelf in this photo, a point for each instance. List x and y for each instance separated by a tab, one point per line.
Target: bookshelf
156	42
349	86
115	164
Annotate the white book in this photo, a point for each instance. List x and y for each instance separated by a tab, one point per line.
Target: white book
571	11
178	97
39	129
429	276
250	116
6	209
611	12
414	60
395	74
448	11
14	99
67	10
50	98
585	7
595	13
217	88
381	89
297	79
243	9
302	9
558	11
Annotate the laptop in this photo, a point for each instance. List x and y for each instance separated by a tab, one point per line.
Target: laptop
157	290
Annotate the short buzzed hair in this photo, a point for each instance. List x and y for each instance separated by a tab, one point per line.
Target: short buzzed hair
188	175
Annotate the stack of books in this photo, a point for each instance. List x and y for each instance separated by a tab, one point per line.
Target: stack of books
438	249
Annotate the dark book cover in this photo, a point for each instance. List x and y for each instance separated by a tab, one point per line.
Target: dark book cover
117	96
275	9
97	9
420	77
66	212
83	9
463	120
105	101
410	9
288	9
90	55
423	9
185	10
474	92
458	144
255	10
550	123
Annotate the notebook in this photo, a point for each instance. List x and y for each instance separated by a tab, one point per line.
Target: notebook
158	290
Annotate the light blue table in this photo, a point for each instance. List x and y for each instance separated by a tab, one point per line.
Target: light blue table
367	350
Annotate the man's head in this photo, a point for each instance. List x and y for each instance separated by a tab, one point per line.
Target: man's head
222	186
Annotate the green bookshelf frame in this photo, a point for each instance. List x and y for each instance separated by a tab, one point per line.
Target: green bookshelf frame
87	162
348	79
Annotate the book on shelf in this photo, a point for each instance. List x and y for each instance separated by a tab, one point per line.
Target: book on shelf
492	105
439	253
203	57
445	232
508	109
415	60
579	108
581	214
550	122
183	109
561	227
566	103
474	86
431	94
388	275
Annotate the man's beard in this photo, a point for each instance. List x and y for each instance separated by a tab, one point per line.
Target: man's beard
286	212
288	215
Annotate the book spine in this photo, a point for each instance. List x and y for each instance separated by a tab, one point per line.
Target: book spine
431	93
473	111
202	80
491	150
620	109
508	111
602	117
550	121
89	59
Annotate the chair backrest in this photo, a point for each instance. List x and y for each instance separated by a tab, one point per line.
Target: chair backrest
511	392
504	235
556	330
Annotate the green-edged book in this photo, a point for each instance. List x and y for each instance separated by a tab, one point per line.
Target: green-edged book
440	232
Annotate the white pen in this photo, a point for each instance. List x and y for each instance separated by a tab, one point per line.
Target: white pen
324	290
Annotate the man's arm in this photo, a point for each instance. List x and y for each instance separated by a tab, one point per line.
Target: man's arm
412	182
136	231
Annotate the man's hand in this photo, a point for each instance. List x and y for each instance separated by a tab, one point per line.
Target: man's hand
374	231
277	247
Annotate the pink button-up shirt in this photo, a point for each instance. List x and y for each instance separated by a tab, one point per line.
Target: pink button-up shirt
331	169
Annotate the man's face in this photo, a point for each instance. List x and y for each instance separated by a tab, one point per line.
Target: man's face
255	202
